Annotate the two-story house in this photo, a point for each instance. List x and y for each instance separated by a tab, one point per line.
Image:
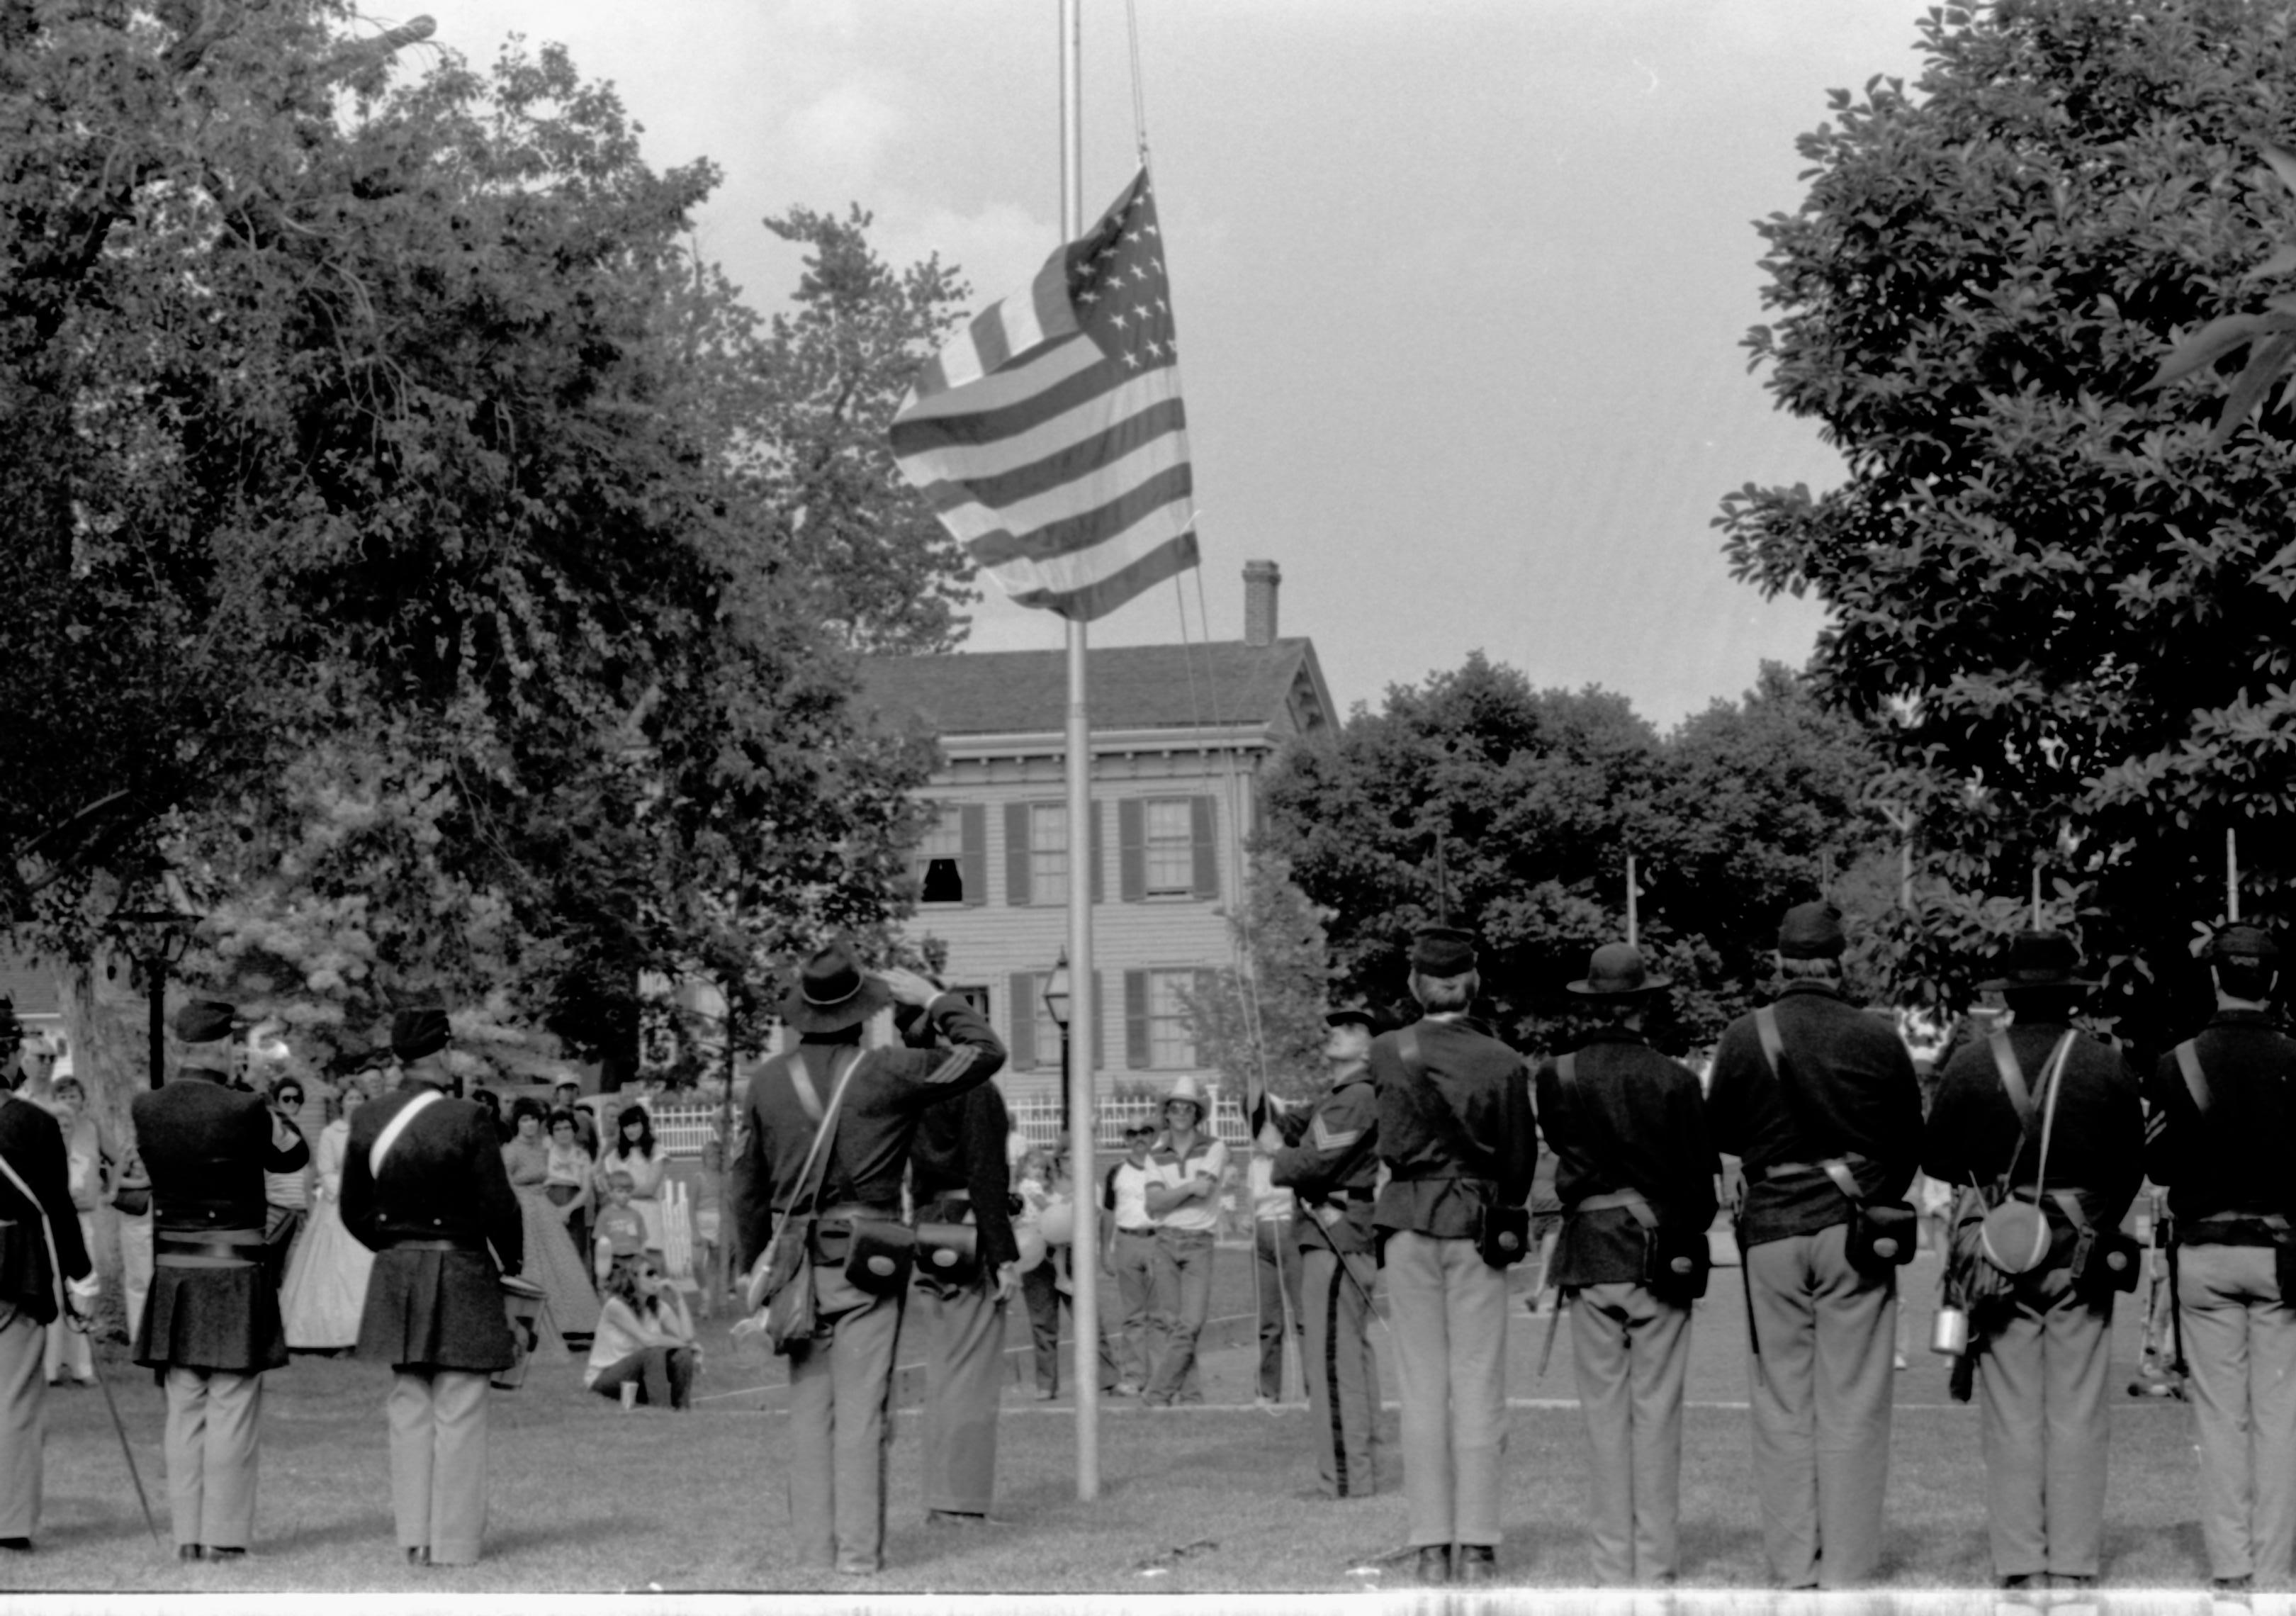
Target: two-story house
1179	733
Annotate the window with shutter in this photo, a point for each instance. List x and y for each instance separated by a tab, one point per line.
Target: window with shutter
972	853
1171	1046
1202	822
1168	852
1022	1035
1016	855
938	864
1131	850
1135	1020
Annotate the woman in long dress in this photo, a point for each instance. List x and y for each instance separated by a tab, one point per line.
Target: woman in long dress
325	1287
634	1152
549	1259
567	1180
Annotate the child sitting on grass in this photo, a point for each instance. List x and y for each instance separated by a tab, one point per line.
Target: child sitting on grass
621	1231
643	1350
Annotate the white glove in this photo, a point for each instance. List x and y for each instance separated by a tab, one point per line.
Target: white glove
83	1294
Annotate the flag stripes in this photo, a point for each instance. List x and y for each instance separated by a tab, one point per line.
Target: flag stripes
1050	437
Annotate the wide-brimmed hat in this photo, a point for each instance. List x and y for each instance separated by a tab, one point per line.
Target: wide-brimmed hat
2240	944
2038	959
1351	1014
1616	972
1183	1087
834	992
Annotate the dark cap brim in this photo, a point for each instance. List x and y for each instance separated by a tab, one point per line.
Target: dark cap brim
865	1002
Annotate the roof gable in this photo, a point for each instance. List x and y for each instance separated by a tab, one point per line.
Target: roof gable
1133	688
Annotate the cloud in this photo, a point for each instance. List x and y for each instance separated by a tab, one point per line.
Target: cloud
842	134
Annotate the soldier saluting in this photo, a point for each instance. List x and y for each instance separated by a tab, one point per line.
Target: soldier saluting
2046	1120
1635	1172
2222	1117
1330	1159
1454	1130
211	1324
424	1189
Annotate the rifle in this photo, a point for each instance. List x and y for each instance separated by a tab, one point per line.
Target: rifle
1554	1323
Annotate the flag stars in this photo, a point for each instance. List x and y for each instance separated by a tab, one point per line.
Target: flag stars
1133	360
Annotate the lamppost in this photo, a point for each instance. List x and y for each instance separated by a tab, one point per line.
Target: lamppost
172	937
1056	1005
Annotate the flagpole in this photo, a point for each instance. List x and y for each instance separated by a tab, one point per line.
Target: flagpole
1084	1252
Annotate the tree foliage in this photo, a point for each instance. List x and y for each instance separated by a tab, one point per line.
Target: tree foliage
1261	1023
2066	614
1537	797
382	562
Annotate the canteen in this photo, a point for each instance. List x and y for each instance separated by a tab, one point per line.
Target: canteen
1949	1337
2014	1237
1059	1223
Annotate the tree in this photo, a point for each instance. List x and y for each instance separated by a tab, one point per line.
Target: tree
2066	618
1262	1022
368	446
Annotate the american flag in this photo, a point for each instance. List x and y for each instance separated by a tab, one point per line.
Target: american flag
1050	436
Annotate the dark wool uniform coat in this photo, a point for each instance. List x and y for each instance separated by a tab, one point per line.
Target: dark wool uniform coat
1455	1133
206	1146
2236	1158
2096	1144
1632	1120
875	1125
443	1182
957	1171
1848	1090
34	1145
1330	1160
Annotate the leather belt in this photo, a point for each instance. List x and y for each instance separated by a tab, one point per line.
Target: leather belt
473	1246
1789	1169
2236	1229
168	1252
1147	1234
855	1211
1608	1200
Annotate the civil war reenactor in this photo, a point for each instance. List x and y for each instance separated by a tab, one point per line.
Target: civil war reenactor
1330	1160
2221	1120
39	1232
1635	1174
2042	1125
425	1190
1455	1134
836	1467
1820	1102
959	1179
212	1323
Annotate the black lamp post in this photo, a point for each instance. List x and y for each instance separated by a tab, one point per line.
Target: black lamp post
1056	1005
172	935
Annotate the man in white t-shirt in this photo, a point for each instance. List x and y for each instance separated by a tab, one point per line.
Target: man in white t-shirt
1129	1256
1187	1168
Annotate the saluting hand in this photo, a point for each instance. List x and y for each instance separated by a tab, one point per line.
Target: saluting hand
908	987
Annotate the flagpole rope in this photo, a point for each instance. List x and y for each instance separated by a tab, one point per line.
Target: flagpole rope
1139	94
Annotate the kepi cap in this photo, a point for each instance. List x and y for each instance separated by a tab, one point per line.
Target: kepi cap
1442	951
420	1031
1812	930
1351	1014
204	1020
1616	972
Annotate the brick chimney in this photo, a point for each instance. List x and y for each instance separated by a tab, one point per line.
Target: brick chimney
1259	581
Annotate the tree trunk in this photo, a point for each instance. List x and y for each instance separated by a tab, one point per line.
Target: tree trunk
108	1026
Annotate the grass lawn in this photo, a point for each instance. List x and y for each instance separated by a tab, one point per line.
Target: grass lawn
1218	1499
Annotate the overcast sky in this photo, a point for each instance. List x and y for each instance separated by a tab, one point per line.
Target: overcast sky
1459	288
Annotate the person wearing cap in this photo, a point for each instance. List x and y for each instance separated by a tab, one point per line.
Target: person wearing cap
840	1382
2044	1116
957	1175
32	1147
1635	1172
210	1325
1127	1237
1456	1136
1841	1096
1327	1156
1187	1166
2221	1119
425	1190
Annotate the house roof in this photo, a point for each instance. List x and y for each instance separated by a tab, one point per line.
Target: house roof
1133	688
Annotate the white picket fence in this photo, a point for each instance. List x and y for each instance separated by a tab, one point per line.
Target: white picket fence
683	1129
